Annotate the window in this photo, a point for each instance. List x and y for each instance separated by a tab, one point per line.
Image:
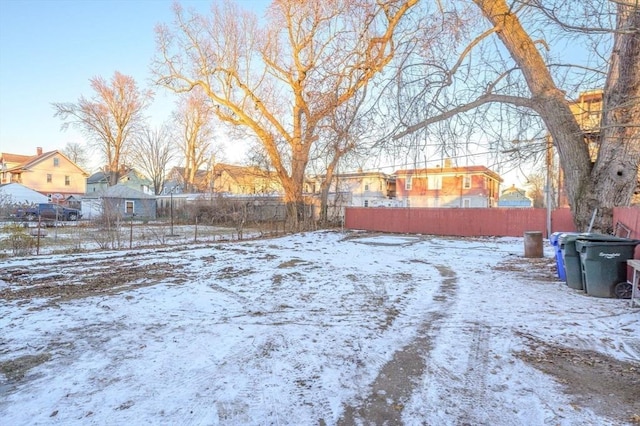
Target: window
49	178
466	203
128	207
67	181
407	183
434	182
466	182
366	186
366	203
56	162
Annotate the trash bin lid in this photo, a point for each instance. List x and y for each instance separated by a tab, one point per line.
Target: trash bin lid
554	238
571	236
585	236
605	243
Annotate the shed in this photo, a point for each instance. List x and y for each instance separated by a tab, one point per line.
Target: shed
127	202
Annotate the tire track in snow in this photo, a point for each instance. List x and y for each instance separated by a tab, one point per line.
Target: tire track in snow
399	377
474	392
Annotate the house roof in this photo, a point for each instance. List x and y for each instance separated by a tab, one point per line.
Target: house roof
512	190
242	173
21	194
359	175
35	159
14	158
123	191
98	177
180	171
450	170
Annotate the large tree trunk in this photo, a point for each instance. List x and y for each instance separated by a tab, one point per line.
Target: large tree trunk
293	185
615	172
614	176
325	186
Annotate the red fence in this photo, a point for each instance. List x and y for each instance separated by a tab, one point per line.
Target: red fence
629	217
458	222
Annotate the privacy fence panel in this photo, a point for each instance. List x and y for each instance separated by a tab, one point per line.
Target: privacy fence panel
457	222
630	218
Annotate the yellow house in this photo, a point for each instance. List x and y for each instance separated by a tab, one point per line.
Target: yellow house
588	112
50	173
245	180
229	179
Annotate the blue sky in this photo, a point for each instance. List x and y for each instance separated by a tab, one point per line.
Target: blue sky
49	49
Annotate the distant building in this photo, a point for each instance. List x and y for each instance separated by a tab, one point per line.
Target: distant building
97	183
448	186
245	180
131	178
513	197
357	189
51	173
225	179
125	202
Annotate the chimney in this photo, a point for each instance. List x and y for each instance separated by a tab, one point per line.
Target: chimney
39	150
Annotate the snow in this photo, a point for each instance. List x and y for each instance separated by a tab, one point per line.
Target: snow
290	331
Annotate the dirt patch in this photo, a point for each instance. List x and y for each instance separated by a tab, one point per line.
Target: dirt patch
15	369
230	272
292	263
392	389
61	282
538	269
608	386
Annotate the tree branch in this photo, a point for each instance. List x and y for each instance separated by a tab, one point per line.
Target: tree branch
482	100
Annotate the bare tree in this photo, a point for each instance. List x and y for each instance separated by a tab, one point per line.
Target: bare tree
536	184
152	152
339	135
282	80
77	153
110	118
194	133
528	82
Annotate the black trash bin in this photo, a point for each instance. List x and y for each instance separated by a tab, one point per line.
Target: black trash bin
604	262
571	259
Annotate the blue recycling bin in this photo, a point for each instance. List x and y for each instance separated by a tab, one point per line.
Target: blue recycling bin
554	239
557	239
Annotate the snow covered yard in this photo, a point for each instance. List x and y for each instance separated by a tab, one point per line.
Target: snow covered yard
322	328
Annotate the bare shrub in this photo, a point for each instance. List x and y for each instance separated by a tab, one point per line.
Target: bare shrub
18	241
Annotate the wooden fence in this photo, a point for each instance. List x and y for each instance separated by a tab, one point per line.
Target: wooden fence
629	217
457	222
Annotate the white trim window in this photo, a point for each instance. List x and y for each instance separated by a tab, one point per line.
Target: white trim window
408	184
466	182
466	203
434	182
129	206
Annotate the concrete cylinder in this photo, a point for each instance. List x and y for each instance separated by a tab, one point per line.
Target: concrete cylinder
533	244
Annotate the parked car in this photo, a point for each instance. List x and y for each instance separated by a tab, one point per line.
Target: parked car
48	211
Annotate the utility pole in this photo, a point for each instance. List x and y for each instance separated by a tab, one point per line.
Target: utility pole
548	183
